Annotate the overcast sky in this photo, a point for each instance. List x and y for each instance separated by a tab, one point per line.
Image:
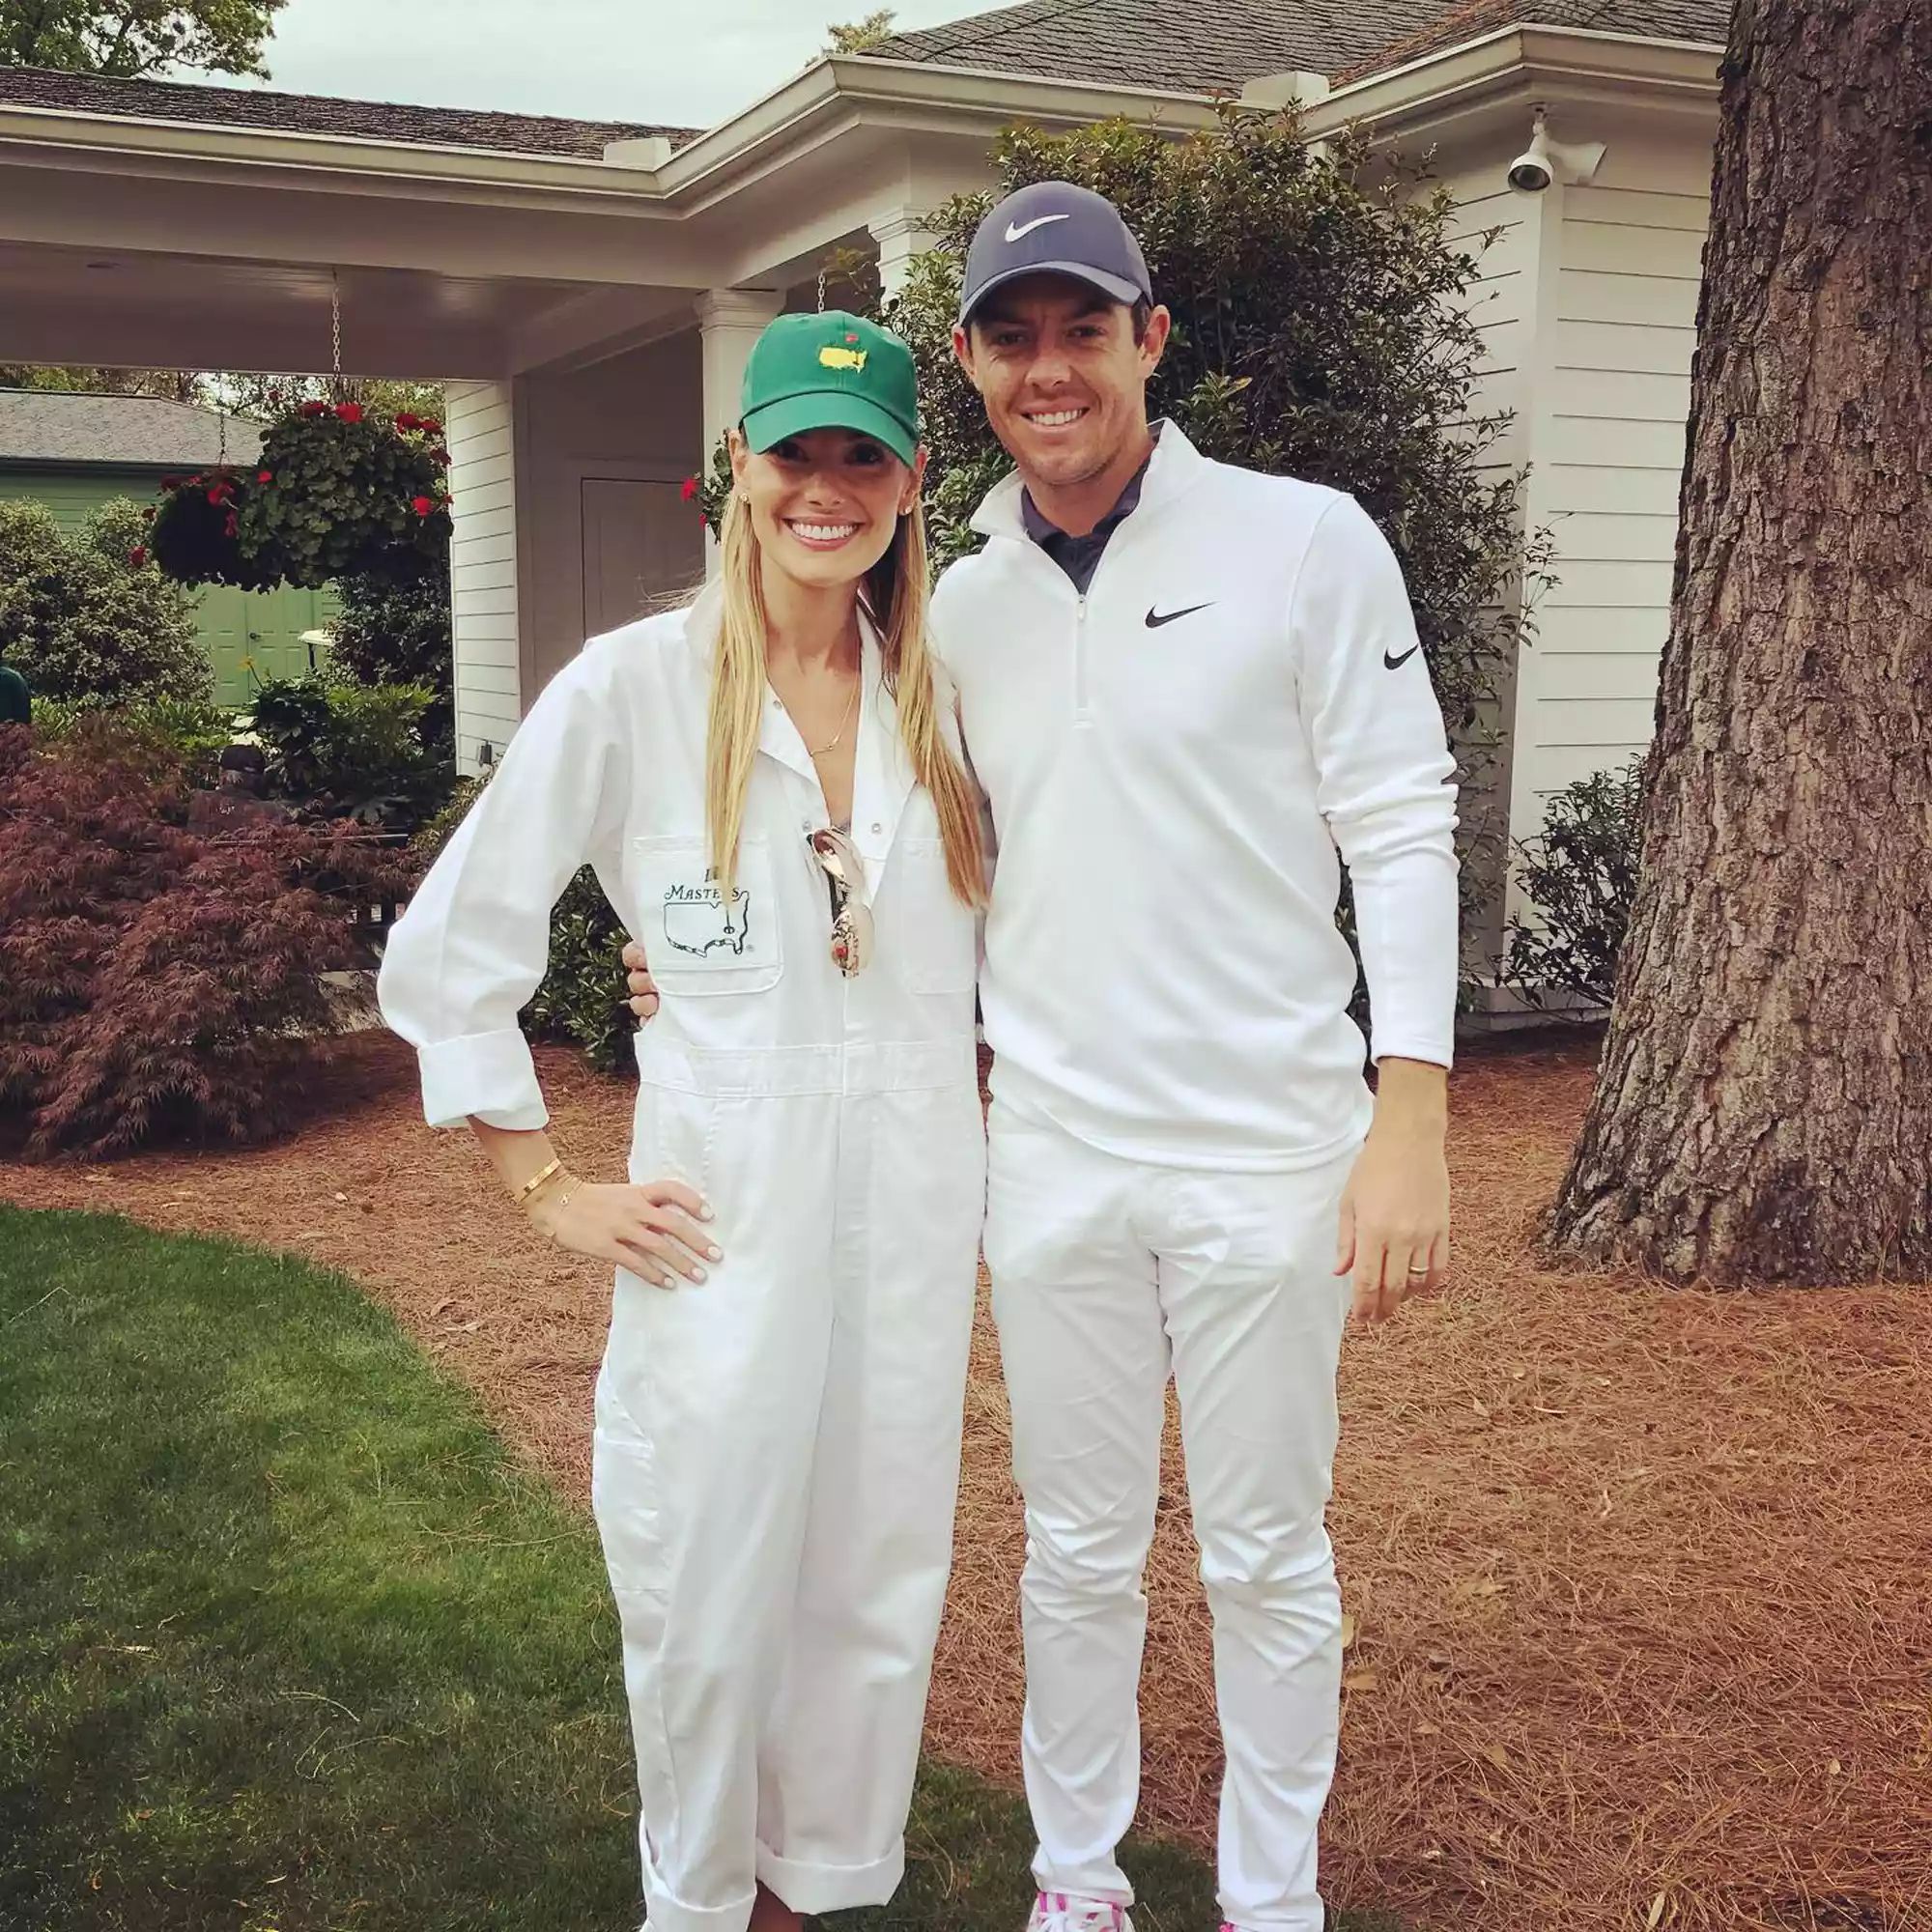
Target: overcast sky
676	63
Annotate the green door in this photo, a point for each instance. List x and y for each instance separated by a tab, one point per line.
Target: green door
251	635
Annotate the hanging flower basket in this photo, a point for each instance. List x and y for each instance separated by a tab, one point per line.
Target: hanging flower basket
338	491
194	533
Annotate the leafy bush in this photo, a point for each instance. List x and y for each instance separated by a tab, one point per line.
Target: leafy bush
155	983
1318	331
1581	876
397	631
351	750
582	1000
85	618
1322	330
172	741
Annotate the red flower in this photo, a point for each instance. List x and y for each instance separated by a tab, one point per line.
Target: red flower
315	409
408	420
349	412
431	425
688	489
220	494
171	482
422	505
137	558
265	477
233	527
439	456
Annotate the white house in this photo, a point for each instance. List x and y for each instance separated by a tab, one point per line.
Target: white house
588	291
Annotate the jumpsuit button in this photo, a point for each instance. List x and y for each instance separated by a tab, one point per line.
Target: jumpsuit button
877	828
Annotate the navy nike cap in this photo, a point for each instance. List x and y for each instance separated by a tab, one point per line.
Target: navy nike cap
1055	228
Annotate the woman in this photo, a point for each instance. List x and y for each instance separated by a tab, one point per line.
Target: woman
768	786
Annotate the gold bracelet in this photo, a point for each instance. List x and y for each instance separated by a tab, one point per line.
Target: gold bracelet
536	1181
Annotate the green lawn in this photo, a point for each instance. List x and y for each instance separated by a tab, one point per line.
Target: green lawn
287	1641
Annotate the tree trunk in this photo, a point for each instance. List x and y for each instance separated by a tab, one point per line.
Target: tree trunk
1764	1106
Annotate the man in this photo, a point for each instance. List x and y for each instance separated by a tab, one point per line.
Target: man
1183	687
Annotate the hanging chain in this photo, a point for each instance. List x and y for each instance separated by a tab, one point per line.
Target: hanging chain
335	332
821	291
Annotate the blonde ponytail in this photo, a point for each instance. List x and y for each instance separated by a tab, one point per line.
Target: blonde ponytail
896	592
737	693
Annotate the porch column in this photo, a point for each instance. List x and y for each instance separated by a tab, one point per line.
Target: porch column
480	433
728	321
901	234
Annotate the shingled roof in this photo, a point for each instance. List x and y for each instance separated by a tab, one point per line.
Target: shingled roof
1705	20
58	426
1190	49
316	113
1211	49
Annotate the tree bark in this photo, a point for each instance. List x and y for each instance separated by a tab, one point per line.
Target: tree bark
1763	1109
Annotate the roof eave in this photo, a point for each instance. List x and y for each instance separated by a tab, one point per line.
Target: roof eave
1554	63
198	145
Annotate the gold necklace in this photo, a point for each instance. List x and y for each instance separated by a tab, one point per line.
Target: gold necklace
842	723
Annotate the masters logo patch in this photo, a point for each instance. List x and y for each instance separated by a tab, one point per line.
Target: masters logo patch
832	356
697	921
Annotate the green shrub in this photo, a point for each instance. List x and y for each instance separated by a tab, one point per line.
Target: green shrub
172	741
86	618
397	631
1321	330
351	750
1579	874
583	1000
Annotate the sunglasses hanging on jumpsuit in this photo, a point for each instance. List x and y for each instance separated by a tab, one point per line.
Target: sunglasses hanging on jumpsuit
776	1449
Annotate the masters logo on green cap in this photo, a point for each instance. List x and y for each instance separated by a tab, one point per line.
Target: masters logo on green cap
831	371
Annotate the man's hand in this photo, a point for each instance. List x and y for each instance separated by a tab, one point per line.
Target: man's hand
1394	1234
644	989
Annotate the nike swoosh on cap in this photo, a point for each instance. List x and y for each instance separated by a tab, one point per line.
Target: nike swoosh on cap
1157	618
1026	228
1396	664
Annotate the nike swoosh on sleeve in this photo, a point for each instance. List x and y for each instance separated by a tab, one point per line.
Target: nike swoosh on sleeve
1396	664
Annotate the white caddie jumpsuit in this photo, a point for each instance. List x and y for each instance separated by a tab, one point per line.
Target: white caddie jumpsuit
776	1449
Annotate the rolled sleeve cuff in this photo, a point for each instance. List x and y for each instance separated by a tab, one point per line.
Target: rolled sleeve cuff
490	1075
1401	1046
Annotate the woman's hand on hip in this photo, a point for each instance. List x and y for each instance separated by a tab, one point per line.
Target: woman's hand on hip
654	1228
638	976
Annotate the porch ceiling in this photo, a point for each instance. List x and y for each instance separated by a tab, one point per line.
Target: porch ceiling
121	306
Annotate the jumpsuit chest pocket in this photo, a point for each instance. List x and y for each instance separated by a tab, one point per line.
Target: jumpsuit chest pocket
937	936
696	939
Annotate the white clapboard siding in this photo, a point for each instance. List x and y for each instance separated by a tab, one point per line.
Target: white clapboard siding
481	421
1491	224
1609	460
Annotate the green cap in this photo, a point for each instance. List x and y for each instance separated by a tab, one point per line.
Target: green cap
831	371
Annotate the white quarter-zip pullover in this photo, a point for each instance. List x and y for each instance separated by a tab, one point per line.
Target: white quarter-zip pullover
1171	762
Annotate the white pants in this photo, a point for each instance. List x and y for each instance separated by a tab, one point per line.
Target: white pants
1108	1275
776	1461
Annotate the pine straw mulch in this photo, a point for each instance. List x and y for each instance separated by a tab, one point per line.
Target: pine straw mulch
1638	1579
